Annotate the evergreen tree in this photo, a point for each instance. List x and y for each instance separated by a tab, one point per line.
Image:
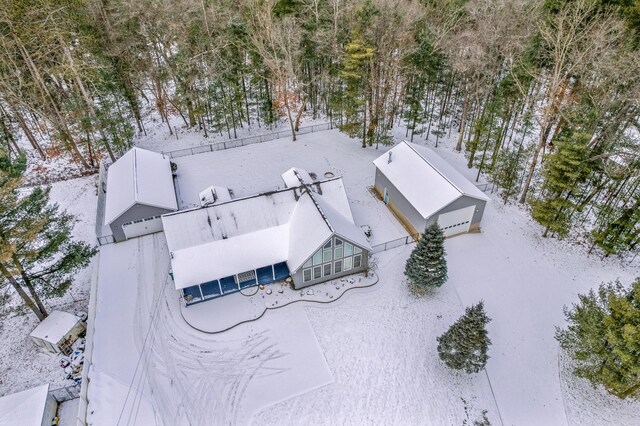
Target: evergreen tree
427	266
464	346
603	337
37	252
564	171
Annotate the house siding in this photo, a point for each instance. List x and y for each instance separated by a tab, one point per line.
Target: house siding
412	219
138	211
460	203
297	277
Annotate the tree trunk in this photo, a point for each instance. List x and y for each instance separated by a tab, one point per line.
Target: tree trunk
41	314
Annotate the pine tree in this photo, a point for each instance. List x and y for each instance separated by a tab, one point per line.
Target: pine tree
464	346
603	337
38	257
427	266
564	171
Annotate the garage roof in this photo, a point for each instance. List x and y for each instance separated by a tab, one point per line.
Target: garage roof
139	177
248	233
24	408
425	179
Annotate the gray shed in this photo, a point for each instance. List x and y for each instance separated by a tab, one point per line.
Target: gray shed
32	407
421	188
57	332
140	189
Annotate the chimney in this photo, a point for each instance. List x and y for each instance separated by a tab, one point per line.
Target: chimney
389	160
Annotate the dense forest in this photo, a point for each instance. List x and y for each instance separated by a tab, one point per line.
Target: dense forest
543	96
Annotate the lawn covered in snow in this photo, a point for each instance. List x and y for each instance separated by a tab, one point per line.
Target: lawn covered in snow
24	365
368	358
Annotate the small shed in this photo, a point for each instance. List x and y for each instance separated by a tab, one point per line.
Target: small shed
140	189
57	332
421	188
32	407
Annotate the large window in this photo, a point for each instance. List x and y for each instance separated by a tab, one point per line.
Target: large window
335	256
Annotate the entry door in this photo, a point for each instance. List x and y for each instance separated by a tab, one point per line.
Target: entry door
457	221
386	196
144	227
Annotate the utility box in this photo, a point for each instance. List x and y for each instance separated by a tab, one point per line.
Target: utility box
57	332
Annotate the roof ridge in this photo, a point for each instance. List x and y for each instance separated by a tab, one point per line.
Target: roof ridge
322	213
247	197
435	168
135	174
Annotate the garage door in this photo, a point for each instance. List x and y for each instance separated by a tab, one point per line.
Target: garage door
457	221
142	227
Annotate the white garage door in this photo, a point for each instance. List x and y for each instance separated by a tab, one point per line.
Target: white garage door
142	227
457	221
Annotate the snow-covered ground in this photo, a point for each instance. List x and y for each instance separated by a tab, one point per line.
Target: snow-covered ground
22	364
368	358
379	345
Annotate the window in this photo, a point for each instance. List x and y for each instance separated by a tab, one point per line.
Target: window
326	255
317	272
348	263
357	250
328	245
337	266
308	263
246	276
348	249
338	252
306	275
357	261
317	257
326	269
338	242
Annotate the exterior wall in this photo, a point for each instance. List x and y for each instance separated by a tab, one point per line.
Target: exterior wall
299	282
50	410
460	203
399	205
138	211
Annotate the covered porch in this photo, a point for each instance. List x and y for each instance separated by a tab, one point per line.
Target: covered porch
234	283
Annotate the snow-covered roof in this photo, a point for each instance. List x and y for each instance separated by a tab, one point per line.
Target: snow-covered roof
24	408
139	177
296	176
55	326
214	194
247	233
425	179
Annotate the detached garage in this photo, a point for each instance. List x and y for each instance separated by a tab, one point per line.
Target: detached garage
421	188
139	190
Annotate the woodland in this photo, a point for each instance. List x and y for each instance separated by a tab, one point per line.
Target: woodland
542	96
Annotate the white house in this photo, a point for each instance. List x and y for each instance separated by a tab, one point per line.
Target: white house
32	407
421	188
305	231
140	188
57	332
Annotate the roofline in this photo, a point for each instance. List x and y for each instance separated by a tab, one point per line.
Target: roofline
333	234
260	194
142	204
433	167
462	193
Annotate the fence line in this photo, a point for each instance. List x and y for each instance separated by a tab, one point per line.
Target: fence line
66	393
249	140
409	239
484	187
